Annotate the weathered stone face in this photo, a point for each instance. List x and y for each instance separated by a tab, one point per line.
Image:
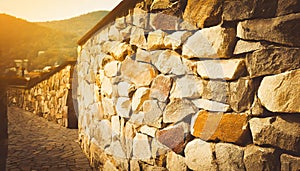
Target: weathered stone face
202	13
175	162
289	162
176	39
272	60
161	21
156	40
141	147
247	46
210	105
160	88
203	45
280	93
137	37
198	155
275	131
220	126
287	7
139	97
259	158
152	113
216	91
172	137
280	30
188	86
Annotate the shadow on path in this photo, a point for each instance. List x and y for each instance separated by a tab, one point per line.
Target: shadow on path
3	128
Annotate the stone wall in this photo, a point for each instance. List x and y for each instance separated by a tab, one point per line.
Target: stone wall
48	96
196	84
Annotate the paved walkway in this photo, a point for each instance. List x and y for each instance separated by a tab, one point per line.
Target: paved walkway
36	144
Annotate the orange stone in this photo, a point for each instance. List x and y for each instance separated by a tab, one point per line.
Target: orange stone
227	127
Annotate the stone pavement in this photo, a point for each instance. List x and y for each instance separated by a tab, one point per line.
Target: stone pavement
36	144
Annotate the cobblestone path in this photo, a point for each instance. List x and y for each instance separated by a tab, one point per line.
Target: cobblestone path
36	144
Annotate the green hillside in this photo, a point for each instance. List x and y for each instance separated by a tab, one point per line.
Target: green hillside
43	43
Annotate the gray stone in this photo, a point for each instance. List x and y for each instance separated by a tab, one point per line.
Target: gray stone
259	158
272	60
280	93
213	42
189	86
275	131
282	30
199	155
176	39
229	157
203	13
114	34
289	162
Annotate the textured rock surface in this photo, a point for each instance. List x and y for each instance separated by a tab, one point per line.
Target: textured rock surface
156	40
287	7
203	45
210	105
172	137
139	97
175	162
188	86
160	88
169	62
275	131
259	158
221	69
280	30
202	13
176	39
141	147
289	162
272	60
220	126
229	157
280	93
216	91
199	155
152	113
246	46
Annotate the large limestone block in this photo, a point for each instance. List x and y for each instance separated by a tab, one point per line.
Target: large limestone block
243	46
241	94
282	30
137	37
221	69
282	132
141	74
203	13
229	157
280	93
156	40
246	9
160	88
227	127
259	158
152	113
272	60
213	42
141	147
176	39
169	62
210	105
139	97
175	162
199	155
178	109
147	130
289	162
189	86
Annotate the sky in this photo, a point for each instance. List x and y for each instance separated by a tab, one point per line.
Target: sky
48	10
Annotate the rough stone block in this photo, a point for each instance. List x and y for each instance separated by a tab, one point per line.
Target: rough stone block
280	93
276	131
217	91
160	4
172	137
282	30
210	105
289	162
287	7
152	113
161	21
189	86
160	88
156	40
175	40
175	162
139	97
272	60
259	158
227	127
137	37
203	13
123	107
243	46
213	42
141	147
221	69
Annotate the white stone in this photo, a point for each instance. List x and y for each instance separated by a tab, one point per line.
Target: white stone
138	38
210	105
175	162
199	155
169	62
129	135
212	42
120	23
126	32
150	131
221	69
243	46
114	34
115	126
139	97
156	40
280	93
106	87
103	133
125	89
176	39
116	150
189	86
140	18
152	113
123	107
111	69
141	147
108	106
143	56
137	118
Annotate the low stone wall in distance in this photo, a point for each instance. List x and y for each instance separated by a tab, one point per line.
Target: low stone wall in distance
49	96
216	88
